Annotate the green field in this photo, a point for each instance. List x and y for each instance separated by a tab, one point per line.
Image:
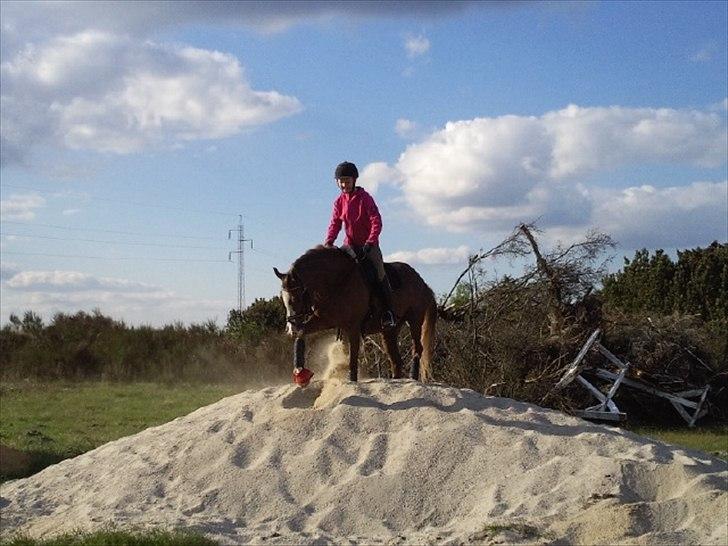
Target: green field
114	537
54	421
713	440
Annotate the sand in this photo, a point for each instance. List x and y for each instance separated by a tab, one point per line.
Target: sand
381	462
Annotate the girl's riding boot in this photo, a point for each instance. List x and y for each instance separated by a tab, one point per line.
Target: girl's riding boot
388	320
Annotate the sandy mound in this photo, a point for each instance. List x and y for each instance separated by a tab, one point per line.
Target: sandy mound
382	462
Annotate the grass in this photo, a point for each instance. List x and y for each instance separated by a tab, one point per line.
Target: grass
114	537
524	531
54	421
713	440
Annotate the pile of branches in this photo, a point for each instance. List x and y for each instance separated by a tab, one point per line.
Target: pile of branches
674	353
516	336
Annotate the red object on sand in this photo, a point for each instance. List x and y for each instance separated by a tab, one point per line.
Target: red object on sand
302	376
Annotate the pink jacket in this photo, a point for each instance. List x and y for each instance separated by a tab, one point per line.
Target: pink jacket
362	222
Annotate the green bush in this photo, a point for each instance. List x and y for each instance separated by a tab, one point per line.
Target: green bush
92	346
261	318
697	284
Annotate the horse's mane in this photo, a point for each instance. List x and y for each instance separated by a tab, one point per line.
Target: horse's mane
321	265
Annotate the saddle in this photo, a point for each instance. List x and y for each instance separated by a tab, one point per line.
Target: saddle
370	272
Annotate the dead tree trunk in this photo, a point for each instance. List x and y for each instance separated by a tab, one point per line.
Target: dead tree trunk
556	307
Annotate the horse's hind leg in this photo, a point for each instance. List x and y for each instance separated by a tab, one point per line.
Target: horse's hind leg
392	350
354	341
415	332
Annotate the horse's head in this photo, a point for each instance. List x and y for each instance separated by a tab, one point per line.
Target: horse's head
298	301
314	280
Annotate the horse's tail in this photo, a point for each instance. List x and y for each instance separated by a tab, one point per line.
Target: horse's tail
427	338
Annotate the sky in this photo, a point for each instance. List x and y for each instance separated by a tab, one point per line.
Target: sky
136	136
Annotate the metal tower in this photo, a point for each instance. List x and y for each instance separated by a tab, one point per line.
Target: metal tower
241	260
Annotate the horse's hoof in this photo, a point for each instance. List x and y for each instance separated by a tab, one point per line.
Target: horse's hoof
302	376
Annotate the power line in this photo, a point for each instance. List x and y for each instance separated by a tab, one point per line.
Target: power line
132	243
256	250
125	202
144	258
108	230
269	254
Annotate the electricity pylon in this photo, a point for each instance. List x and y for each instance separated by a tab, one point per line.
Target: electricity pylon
241	260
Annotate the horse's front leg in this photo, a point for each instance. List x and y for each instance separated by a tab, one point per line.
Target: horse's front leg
301	375
299	353
354	342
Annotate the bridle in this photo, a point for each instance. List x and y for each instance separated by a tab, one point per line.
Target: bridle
301	319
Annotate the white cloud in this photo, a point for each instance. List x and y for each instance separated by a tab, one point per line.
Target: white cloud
488	173
416	45
144	17
99	91
70	212
21	206
73	281
8	270
405	128
49	292
431	256
651	217
375	174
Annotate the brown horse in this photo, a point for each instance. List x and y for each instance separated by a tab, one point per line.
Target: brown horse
326	288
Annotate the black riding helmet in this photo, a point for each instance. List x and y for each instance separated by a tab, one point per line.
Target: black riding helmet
346	169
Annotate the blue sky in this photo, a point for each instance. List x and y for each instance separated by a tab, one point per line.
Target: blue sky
133	134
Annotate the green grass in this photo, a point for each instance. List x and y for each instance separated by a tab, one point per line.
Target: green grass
54	421
524	531
116	538
713	440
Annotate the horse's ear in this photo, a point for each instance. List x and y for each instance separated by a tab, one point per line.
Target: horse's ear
280	275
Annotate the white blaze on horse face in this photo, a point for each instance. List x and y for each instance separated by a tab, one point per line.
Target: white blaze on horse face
286	297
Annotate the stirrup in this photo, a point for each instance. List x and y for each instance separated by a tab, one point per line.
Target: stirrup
388	320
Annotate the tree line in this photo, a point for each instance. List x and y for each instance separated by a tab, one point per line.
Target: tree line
695	284
502	335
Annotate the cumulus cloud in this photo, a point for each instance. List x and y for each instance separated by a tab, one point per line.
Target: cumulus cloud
431	256
490	173
651	217
85	75
416	45
21	206
103	92
375	174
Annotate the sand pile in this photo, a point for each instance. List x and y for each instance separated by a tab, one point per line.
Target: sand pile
393	462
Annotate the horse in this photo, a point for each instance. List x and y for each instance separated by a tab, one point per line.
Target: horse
326	288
